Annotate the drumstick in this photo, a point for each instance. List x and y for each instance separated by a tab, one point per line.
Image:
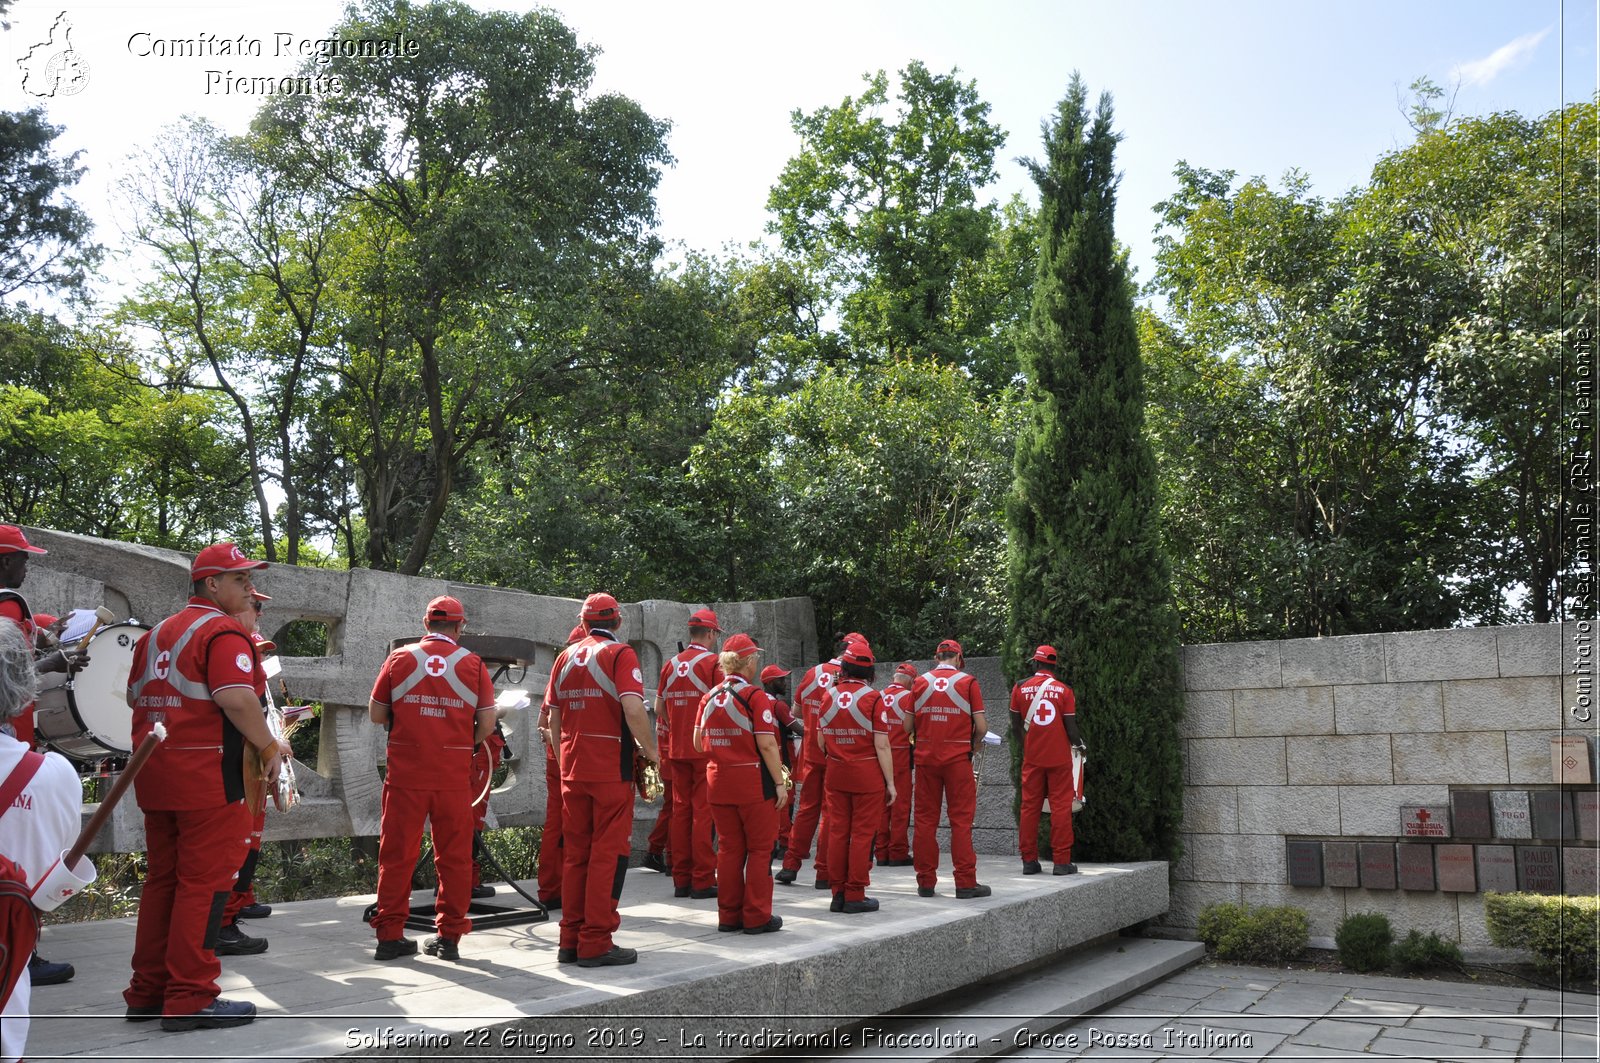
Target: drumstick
102	615
120	787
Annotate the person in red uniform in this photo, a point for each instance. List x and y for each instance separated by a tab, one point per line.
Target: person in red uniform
598	719
685	680
231	939
14	551
552	857
1043	711
775	681
195	674
946	723
438	701
893	844
738	729
810	697
852	732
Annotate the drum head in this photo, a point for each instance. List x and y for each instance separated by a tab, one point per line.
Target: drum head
97	695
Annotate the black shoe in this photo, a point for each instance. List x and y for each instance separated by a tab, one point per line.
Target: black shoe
1031	867
967	893
480	891
729	928
442	947
903	862
924	891
142	1013
395	949
255	911
1064	869
706	894
838	903
775	923
231	941
682	891
214	1016
656	862
553	904
615	958
786	876
866	904
43	972
823	884
566	955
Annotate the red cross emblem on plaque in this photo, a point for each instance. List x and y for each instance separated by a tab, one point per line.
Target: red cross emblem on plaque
1422	815
434	666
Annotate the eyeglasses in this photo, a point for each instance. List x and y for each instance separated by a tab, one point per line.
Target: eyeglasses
256	606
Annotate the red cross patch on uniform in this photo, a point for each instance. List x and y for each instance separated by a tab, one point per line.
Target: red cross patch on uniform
163	664
434	665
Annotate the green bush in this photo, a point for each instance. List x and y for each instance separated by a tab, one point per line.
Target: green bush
1417	953
1254	935
1563	933
1363	941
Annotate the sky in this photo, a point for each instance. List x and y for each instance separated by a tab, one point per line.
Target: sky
1256	87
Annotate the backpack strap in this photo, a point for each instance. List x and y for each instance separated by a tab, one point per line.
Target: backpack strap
20	776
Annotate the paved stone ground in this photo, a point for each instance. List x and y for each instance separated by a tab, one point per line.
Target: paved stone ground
1245	1013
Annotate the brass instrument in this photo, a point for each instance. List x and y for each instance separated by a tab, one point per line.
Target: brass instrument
646	778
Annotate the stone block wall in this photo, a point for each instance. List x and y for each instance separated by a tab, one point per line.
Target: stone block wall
1326	740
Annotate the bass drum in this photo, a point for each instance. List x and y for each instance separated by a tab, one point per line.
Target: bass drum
85	716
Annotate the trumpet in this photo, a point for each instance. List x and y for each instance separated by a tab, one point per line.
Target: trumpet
646	778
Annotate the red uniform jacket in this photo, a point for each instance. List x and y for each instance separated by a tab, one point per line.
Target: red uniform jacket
434	690
849	724
1042	703
587	683
731	716
686	679
810	696
896	706
944	701
176	668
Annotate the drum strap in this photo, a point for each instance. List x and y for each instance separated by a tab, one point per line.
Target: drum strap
20	776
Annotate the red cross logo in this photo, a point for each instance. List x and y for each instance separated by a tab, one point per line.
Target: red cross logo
434	666
163	664
1422	815
845	698
940	684
581	658
682	668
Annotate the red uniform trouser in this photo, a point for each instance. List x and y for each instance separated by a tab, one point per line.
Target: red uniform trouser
399	839
937	784
192	857
808	821
1039	783
552	856
893	841
244	885
852	822
744	862
660	834
694	859
597	821
785	825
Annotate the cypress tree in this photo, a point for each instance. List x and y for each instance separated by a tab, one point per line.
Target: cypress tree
1086	569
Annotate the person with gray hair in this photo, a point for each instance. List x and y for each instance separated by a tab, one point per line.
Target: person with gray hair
40	806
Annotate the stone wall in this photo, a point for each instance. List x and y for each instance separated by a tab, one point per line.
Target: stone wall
1327	740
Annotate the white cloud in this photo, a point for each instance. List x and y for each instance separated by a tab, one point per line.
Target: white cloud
1482	71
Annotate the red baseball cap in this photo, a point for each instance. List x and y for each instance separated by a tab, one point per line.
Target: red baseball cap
1047	654
905	668
12	541
262	642
741	644
445	608
858	653
258	596
576	635
218	558
773	671
948	646
705	618
44	619
599	607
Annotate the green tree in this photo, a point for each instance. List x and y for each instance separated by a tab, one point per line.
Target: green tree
1086	566
44	236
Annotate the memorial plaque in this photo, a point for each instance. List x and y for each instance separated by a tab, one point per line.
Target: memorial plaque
1581	871
1425	821
1416	866
1469	814
1377	865
1552	815
1341	864
1588	802
1511	817
1456	871
1569	759
1538	869
1497	868
1305	863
